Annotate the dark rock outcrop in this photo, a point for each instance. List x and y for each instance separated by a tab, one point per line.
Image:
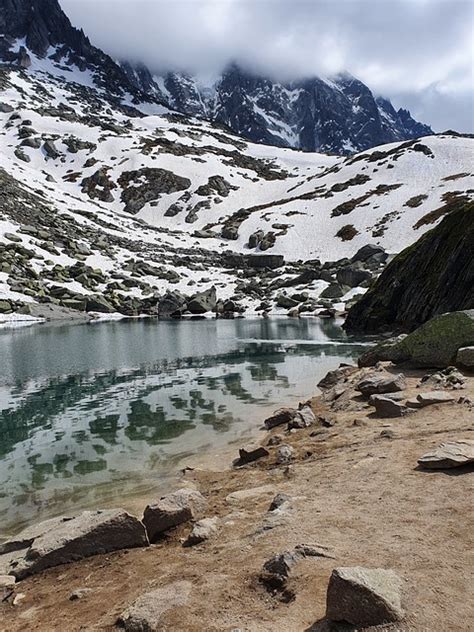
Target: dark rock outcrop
433	276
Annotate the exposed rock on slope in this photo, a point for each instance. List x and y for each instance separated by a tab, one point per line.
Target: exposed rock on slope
339	115
433	276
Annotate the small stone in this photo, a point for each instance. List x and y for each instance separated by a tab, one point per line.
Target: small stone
275	440
80	593
303	418
279	500
364	597
378	384
448	455
250	454
203	530
284	454
7	581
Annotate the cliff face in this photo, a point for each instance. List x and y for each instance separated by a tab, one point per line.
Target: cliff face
433	276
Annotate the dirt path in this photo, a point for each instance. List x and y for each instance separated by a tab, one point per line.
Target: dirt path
351	489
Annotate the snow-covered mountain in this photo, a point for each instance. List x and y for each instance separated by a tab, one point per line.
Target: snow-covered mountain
338	115
111	202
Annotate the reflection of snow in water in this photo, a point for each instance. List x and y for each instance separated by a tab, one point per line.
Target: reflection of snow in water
77	439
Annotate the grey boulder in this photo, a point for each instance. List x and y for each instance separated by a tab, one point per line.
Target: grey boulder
465	357
378	384
448	455
64	540
173	510
145	614
364	596
388	408
203	530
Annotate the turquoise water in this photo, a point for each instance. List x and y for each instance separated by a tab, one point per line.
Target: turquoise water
93	413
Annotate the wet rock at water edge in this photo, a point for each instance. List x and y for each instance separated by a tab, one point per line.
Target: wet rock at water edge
364	596
250	454
449	455
173	510
280	417
203	302
303	418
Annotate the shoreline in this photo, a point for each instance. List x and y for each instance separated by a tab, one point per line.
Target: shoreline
345	477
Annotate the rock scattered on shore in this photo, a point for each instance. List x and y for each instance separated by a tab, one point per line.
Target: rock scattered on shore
449	455
64	540
364	596
173	510
145	613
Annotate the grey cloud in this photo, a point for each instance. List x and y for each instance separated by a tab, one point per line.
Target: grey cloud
417	52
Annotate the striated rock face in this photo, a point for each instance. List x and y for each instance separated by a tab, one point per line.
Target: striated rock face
434	276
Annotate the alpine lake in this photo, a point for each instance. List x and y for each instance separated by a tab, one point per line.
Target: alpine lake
92	414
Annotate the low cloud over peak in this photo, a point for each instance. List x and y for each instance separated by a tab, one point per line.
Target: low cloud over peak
417	52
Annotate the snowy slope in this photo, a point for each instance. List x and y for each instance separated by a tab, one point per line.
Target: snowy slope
110	188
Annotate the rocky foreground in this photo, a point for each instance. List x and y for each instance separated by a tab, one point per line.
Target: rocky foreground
352	512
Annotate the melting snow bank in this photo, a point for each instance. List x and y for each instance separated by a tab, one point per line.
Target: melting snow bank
10	321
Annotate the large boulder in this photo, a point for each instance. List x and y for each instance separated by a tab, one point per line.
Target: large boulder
433	276
364	596
145	614
64	540
173	510
171	305
434	344
203	302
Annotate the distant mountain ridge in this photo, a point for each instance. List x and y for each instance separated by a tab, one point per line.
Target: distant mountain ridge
338	115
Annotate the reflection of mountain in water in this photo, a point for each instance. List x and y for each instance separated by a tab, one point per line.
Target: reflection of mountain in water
65	438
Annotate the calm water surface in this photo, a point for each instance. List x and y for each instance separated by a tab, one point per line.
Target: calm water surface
92	413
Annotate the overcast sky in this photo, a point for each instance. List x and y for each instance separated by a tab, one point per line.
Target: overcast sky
419	53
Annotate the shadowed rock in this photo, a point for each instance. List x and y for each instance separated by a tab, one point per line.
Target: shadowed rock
364	596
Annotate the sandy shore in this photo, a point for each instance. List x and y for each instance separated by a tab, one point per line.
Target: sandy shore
354	487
